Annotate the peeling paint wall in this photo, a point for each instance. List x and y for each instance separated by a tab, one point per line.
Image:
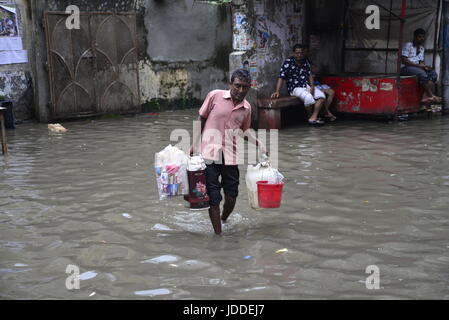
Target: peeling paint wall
188	47
265	39
12	84
15	79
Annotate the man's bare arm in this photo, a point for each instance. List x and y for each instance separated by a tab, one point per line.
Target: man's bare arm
407	62
312	85
279	85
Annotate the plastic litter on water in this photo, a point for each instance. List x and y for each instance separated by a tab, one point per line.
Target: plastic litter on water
88	275
56	127
282	250
247	257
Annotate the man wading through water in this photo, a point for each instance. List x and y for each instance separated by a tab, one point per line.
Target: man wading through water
222	113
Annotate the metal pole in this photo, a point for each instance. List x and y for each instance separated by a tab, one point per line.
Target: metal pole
401	41
2	131
344	35
445	73
435	39
388	36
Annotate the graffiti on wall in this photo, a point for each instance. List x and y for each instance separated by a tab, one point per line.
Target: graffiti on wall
275	26
262	32
242	33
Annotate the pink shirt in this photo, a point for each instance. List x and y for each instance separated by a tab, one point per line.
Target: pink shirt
222	115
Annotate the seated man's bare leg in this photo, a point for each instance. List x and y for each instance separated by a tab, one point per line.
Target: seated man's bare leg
330	94
316	109
433	97
309	110
428	95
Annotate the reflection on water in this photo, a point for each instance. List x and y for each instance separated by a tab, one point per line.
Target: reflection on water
357	193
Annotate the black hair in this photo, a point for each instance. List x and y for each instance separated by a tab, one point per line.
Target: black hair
299	46
241	74
419	32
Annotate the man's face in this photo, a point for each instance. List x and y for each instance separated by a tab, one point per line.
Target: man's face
299	54
239	89
420	38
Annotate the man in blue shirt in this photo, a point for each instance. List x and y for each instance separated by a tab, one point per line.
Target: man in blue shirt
296	71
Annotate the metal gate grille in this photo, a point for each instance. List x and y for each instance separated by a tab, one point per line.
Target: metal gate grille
93	70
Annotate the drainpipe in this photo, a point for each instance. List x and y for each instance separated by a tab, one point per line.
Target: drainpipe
445	71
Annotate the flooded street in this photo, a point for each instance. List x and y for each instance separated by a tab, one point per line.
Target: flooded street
357	193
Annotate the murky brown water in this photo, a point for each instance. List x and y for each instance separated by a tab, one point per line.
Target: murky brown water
358	193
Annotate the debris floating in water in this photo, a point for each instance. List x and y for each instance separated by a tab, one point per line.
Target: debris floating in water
20	265
92	294
88	275
56	127
282	250
247	257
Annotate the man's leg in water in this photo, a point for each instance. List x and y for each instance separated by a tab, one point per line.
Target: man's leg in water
230	179
213	185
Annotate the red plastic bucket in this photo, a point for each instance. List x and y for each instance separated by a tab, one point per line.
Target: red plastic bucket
270	195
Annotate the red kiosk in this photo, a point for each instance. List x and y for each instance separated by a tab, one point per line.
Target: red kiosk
386	95
362	66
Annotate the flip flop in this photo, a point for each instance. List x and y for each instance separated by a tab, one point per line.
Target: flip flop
316	122
330	118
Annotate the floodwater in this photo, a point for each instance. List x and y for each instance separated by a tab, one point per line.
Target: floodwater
358	193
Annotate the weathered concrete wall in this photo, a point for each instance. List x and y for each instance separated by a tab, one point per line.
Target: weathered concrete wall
15	79
188	47
264	34
183	49
272	29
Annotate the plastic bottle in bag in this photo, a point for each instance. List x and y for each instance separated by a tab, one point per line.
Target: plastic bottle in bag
171	172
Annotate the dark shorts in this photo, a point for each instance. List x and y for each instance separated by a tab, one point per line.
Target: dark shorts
423	76
230	178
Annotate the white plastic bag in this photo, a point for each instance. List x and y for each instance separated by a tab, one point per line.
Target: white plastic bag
171	172
196	163
260	172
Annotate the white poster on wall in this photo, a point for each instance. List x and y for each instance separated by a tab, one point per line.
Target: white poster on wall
11	46
11	43
13	56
